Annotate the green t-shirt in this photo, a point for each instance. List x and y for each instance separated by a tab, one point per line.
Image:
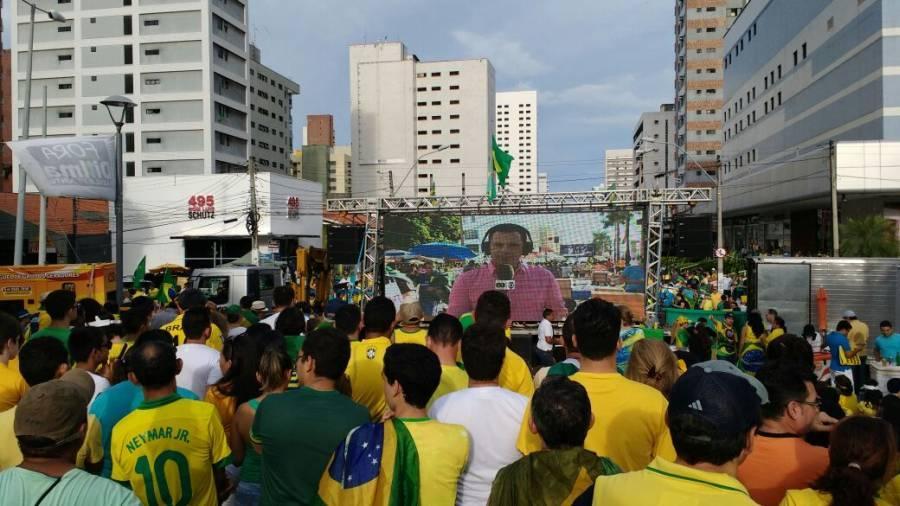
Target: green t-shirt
61	334
298	431
75	488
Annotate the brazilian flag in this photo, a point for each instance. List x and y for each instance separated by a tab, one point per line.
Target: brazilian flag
500	164
377	464
139	272
166	289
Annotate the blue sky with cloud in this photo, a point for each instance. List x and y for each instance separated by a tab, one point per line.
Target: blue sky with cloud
596	64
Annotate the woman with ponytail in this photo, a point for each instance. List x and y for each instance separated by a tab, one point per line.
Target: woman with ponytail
273	374
863	456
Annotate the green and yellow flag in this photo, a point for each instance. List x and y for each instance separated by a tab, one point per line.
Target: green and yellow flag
500	164
164	295
139	273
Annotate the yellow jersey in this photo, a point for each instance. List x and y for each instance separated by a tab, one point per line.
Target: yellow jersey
453	378
443	450
12	386
663	483
174	327
629	422
364	371
810	497
515	374
417	337
167	448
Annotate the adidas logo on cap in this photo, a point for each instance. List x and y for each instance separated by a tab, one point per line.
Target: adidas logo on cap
696	405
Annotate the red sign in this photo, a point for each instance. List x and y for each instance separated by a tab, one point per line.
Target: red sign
293	208
201	207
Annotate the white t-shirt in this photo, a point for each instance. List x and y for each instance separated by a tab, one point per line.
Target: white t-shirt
492	415
100	384
200	368
236	331
270	320
545	329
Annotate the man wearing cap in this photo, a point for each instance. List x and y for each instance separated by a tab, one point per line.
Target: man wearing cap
50	426
12	384
713	416
168	432
859	339
237	325
781	459
258	308
408	330
189	299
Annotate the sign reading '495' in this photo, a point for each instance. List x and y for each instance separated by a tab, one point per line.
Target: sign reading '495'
201	207
293	208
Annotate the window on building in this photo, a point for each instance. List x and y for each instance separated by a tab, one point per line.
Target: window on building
435	132
454	130
422	74
436	102
803	48
65	86
435	117
454	102
454	86
422	132
151	52
154	140
63	29
64	57
795	59
779	72
454	116
151	22
421	104
435	74
435	88
422	118
422	88
779	98
711	29
64	114
151	82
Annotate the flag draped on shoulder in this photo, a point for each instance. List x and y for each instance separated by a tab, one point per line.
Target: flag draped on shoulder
500	164
377	464
139	272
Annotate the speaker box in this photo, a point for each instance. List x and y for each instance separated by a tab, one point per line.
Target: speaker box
694	237
344	244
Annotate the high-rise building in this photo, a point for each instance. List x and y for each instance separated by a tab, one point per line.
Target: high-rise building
319	130
619	164
271	128
418	128
517	133
185	64
699	28
543	183
808	91
654	158
340	172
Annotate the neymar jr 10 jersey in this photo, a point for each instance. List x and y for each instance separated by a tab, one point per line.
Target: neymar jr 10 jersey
166	450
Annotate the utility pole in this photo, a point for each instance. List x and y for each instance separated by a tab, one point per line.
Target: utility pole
835	222
720	235
253	217
42	223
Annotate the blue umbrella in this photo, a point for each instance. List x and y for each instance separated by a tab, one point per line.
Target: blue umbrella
442	250
395	253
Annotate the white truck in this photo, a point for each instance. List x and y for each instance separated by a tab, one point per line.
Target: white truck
226	285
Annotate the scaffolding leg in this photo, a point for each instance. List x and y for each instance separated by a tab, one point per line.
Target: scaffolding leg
655	212
369	277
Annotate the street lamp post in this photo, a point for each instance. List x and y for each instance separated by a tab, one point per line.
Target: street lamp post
412	169
26	129
720	236
125	104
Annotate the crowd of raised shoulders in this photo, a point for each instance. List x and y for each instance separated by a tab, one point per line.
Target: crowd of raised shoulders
194	404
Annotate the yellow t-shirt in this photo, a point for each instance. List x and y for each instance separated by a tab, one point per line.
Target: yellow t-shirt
10	456
417	337
515	374
849	404
859	334
12	387
167	448
91	451
174	327
364	372
810	497
225	405
443	450
629	422
453	378
664	483
890	493
776	333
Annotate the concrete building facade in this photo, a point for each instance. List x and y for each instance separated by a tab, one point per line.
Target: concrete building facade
799	77
319	130
271	127
418	128
185	64
516	132
619	173
699	28
654	162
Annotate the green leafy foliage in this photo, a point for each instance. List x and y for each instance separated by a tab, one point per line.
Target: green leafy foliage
869	236
405	231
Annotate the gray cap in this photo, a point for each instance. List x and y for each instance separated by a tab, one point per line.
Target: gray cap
728	367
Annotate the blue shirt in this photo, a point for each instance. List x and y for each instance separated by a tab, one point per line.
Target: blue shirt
889	347
114	404
834	341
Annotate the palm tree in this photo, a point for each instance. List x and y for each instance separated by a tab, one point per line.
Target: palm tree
869	236
602	243
617	218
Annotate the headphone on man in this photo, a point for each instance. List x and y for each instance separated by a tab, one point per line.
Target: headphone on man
527	242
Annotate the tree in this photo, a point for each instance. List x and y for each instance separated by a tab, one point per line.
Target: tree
602	244
869	236
616	219
405	231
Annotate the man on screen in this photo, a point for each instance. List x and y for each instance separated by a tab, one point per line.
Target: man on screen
531	288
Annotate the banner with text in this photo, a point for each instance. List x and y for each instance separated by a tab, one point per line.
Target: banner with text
70	166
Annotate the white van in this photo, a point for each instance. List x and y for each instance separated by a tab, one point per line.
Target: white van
226	285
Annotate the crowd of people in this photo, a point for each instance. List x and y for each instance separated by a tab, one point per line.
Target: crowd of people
198	404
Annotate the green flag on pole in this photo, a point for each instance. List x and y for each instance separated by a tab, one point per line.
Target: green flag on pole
501	161
168	283
139	273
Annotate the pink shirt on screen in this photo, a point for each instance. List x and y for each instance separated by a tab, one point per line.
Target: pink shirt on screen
536	289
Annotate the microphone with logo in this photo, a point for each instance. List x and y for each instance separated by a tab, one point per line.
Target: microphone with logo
505	275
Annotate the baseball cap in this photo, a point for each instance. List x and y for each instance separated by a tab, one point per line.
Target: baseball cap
233	309
849	314
54	410
727	401
728	367
22	314
258	305
410	313
729	315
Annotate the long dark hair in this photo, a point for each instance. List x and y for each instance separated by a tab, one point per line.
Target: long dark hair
755	321
240	380
862	456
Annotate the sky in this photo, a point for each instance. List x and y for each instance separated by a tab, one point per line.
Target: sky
596	64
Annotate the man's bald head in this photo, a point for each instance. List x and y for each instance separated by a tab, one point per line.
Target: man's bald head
154	364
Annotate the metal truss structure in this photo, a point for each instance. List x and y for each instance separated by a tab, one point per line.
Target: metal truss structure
652	202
